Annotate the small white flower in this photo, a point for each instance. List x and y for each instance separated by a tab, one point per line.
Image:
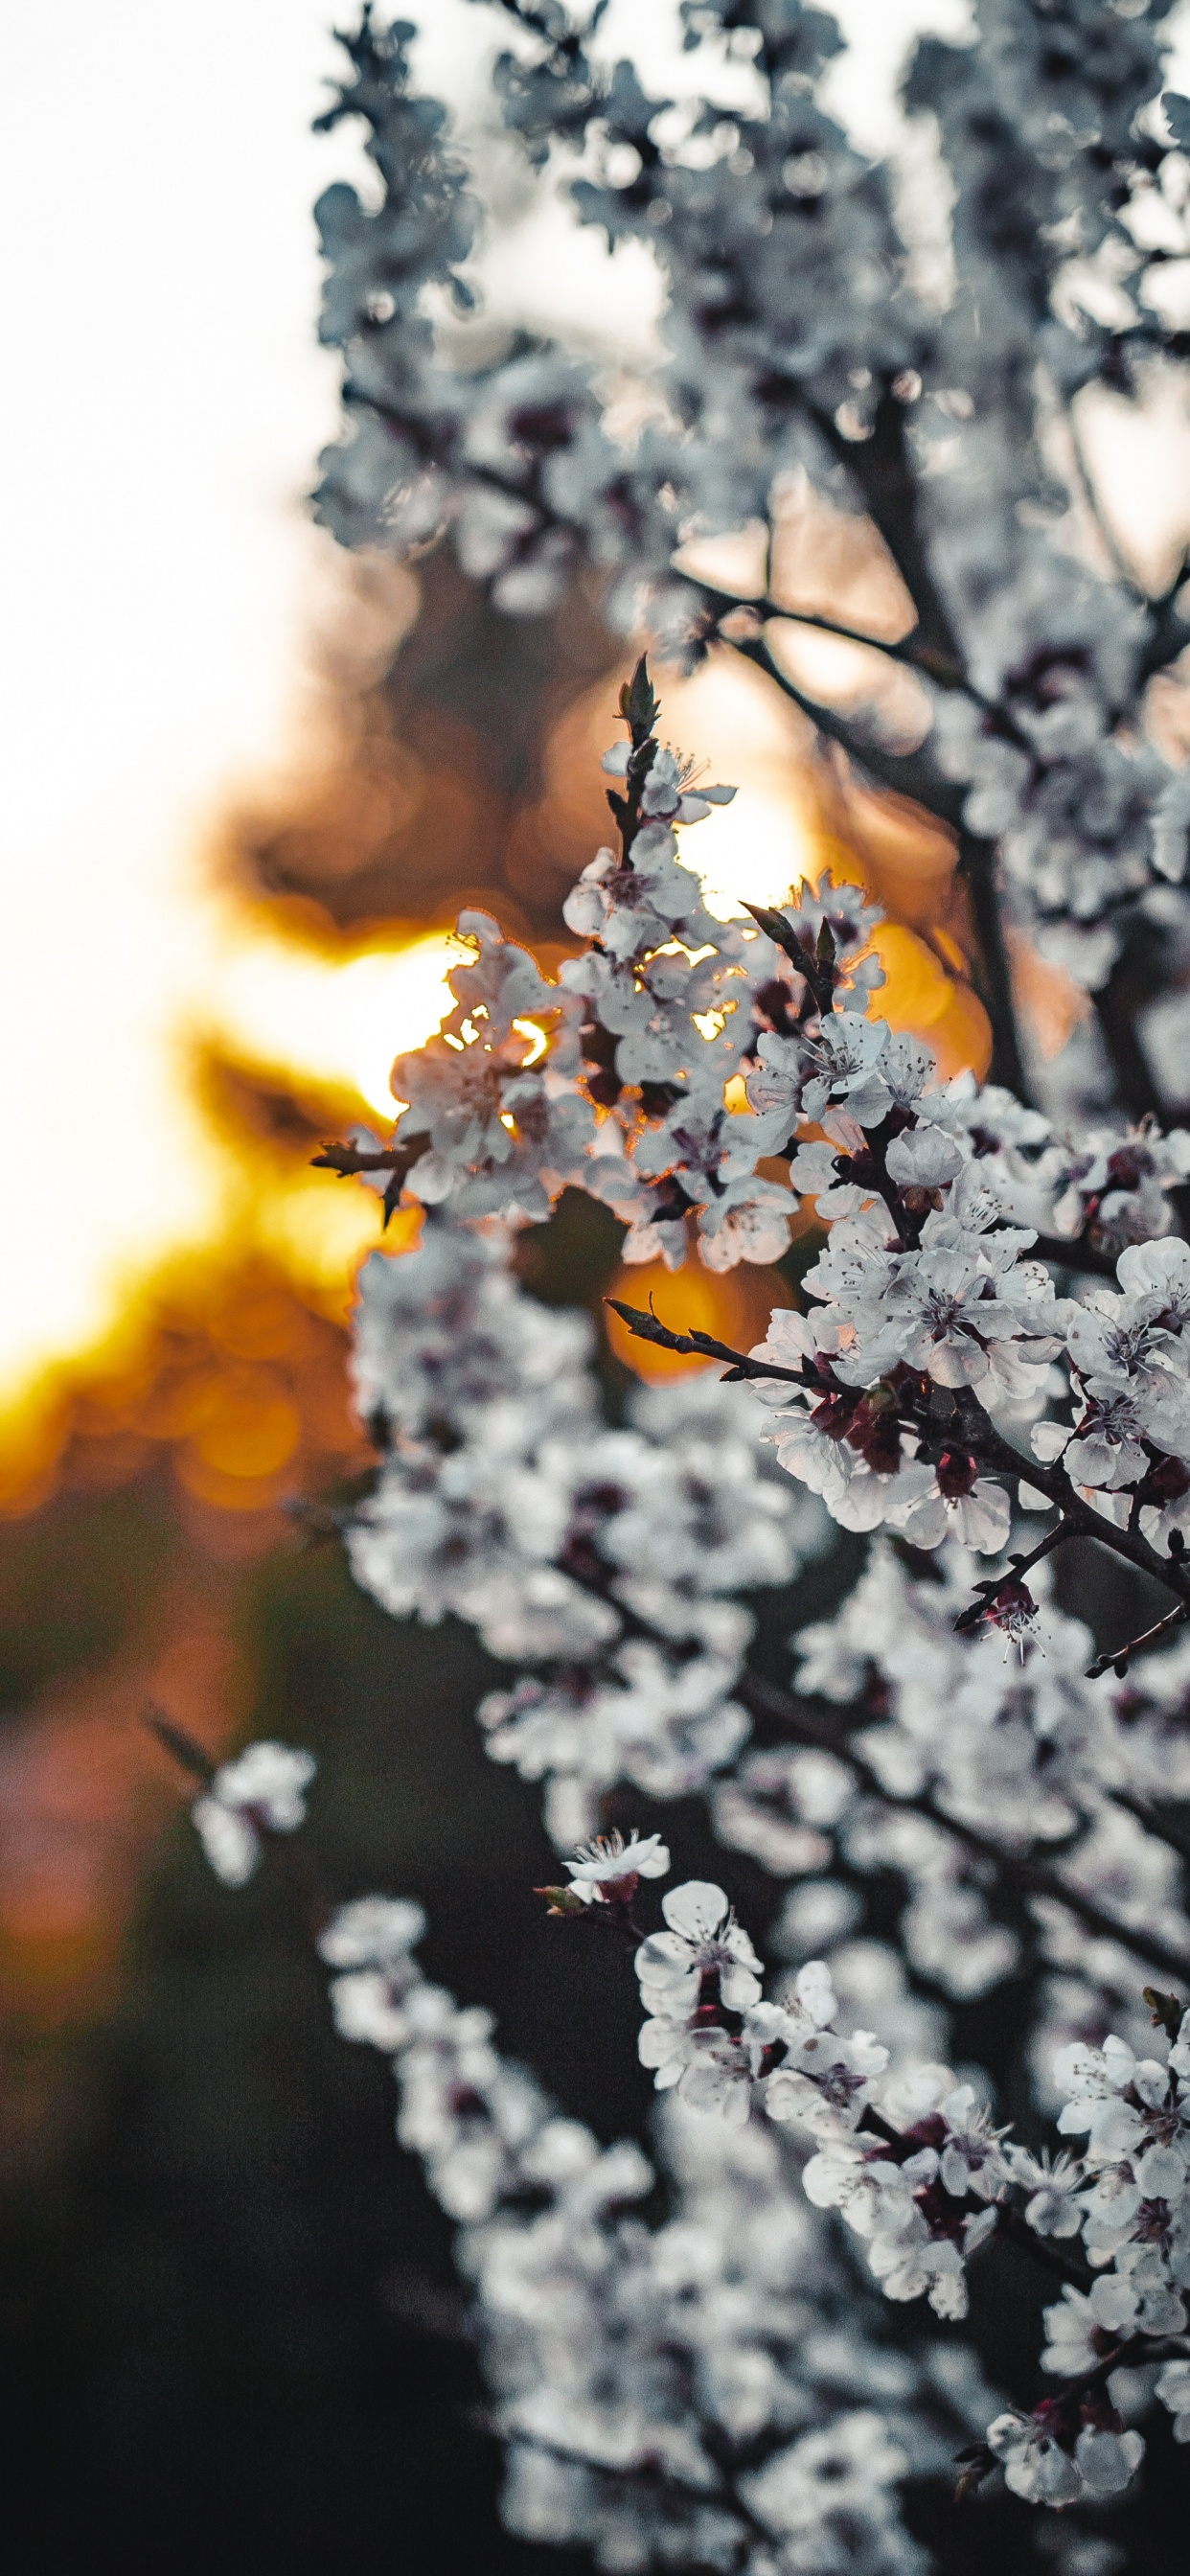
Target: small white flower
1173	2390
372	1932
365	2007
1054	2208
971	2158
229	1839
1071	2328
262	1791
923	1158
1107	2461
704	1941
843	1065
608	1861
1035	2465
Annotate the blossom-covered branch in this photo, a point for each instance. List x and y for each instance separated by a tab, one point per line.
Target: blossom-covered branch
813	341
965	1794
911	2160
708	2388
923	2178
658	1072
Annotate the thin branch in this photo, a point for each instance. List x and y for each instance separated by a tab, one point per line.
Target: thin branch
983	1440
1127	2356
1023	1565
648	1327
1117	1005
905	773
1116	1659
180	1745
978	1434
349	1160
906	649
979	867
910	774
396	1158
882	471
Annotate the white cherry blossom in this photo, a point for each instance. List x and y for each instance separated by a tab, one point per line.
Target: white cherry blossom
261	1792
611	1863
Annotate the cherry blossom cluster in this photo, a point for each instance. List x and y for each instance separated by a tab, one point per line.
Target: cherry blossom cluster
622	1092
989	1361
647	2380
609	1561
924	2179
713	2388
897	353
1027	1755
678	1054
931	1342
667	1064
945	1732
262	1792
1134	2213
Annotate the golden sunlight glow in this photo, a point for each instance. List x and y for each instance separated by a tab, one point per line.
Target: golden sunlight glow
763	844
289	1010
114	1167
537	1038
111	1164
756	847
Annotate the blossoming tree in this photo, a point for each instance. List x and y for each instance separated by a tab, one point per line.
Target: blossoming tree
990	1363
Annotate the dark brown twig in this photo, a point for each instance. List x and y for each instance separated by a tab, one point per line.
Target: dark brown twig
180	1745
647	1327
1116	1659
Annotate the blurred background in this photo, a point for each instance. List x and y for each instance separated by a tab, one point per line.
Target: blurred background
247	785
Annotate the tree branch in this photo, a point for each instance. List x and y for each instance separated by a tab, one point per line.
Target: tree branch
647	1327
1130	2355
904	773
908	650
979	867
883	475
397	1158
912	775
978	1435
1117	1659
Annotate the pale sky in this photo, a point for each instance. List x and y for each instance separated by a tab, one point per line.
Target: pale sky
165	400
